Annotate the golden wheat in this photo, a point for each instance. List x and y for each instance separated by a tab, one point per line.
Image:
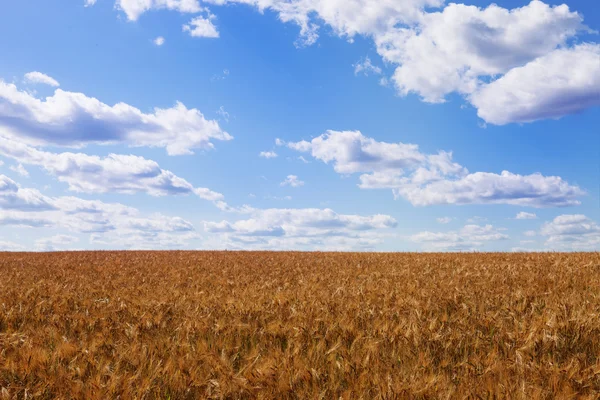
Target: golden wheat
241	325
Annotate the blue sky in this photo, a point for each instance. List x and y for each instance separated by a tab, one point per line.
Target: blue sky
300	124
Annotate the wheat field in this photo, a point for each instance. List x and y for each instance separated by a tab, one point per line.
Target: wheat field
264	325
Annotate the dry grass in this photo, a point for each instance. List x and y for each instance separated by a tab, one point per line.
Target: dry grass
230	325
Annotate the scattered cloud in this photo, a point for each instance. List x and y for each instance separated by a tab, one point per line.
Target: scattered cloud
470	237
268	154
526	215
293	181
73	119
572	232
444	220
301	229
159	41
431	179
484	54
36	77
113	224
304	160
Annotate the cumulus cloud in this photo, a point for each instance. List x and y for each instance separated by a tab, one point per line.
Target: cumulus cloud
267	154
533	190
482	53
572	232
13	197
38	77
562	82
302	228
115	173
526	215
74	119
202	27
470	237
450	50
461	48
159	41
293	181
346	17
430	179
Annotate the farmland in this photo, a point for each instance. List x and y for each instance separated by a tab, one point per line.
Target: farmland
264	325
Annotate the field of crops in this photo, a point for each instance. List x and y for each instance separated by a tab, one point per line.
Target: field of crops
236	325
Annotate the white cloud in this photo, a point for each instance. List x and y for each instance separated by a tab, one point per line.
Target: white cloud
38	77
279	142
562	82
134	8
202	27
300	229
115	173
572	232
13	197
366	67
304	160
470	237
346	17
19	169
159	41
530	233
460	49
10	246
112	224
268	154
444	220
73	119
533	190
429	179
526	215
293	181
56	242
449	50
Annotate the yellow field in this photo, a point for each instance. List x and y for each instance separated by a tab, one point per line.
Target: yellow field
189	325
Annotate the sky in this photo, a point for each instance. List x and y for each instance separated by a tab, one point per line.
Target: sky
353	125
